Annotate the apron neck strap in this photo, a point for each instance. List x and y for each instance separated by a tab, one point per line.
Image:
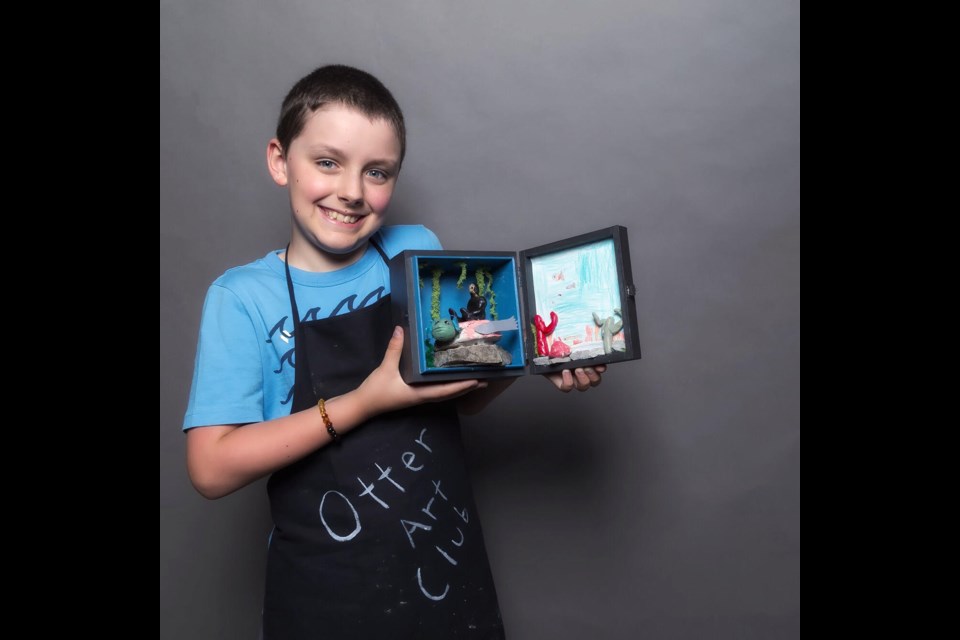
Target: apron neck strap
293	298
376	245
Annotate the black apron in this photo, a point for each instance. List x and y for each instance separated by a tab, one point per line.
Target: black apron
376	536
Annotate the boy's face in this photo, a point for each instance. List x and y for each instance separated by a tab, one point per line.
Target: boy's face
341	171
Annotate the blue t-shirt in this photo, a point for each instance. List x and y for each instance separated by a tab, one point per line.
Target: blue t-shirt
243	370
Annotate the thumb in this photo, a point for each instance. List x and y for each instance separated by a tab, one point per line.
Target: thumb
392	356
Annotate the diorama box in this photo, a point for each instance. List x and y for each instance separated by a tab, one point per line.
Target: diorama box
496	314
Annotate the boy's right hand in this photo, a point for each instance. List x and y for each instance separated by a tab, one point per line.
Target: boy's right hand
384	389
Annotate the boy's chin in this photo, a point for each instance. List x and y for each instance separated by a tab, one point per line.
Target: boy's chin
344	251
353	247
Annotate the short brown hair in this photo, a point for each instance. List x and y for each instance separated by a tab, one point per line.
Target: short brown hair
338	84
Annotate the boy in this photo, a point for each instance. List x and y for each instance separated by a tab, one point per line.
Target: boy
376	535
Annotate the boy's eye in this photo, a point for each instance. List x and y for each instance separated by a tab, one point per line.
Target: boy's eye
377	174
326	164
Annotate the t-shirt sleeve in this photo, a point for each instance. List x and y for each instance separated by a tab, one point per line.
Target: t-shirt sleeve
228	375
430	240
411	236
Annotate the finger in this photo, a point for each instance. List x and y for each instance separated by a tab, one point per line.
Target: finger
392	356
583	382
593	376
560	381
446	390
462	391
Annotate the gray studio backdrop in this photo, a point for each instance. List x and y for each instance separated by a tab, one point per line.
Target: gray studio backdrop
666	502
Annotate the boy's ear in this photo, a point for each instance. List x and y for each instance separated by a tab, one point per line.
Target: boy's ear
276	162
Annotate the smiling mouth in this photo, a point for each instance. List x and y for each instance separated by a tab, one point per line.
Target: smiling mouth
340	217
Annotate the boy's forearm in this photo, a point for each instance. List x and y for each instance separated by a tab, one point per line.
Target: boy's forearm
222	459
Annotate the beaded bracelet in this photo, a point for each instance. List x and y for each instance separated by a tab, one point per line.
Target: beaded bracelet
334	436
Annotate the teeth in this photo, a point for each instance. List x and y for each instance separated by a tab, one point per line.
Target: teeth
336	215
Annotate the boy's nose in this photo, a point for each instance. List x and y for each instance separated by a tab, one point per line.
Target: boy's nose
350	191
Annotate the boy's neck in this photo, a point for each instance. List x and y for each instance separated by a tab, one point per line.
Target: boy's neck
306	257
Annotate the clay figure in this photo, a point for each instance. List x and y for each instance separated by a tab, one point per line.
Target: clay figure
476	307
559	349
445	331
544	330
609	327
458	345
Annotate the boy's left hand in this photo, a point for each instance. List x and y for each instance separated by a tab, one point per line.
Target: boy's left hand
581	378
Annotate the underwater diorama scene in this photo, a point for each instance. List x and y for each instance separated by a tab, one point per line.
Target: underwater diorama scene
577	300
493	314
468	313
